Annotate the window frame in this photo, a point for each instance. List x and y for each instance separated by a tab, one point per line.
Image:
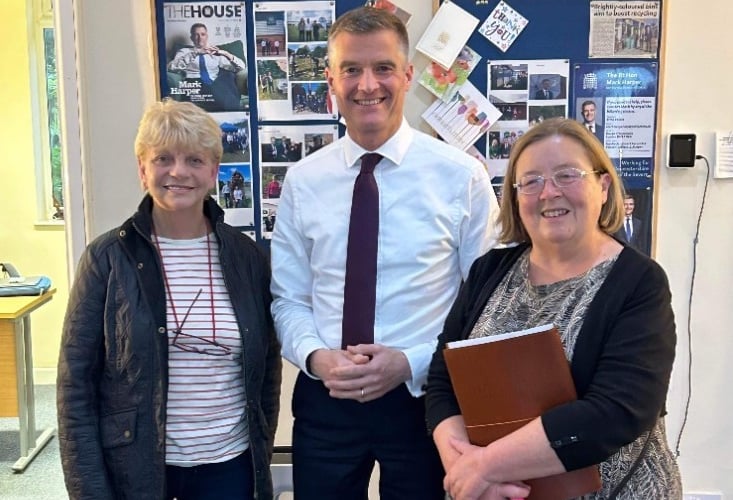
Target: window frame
40	19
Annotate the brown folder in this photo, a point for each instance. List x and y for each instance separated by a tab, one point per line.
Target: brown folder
502	382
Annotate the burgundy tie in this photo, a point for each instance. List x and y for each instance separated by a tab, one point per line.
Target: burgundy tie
360	285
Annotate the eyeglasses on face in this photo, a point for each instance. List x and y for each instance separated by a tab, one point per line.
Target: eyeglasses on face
534	183
213	348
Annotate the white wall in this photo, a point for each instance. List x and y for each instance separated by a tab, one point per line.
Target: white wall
696	88
118	80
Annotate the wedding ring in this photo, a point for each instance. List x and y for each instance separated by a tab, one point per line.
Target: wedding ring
362	392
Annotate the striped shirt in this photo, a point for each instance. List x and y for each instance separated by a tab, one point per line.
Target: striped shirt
206	402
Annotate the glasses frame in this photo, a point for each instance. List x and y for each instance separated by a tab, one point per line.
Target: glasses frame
221	349
543	179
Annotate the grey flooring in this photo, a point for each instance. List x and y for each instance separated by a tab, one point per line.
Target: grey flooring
42	479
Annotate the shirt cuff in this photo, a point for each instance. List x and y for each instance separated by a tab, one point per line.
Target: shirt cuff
305	349
419	357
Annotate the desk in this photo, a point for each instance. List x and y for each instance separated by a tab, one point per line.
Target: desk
16	372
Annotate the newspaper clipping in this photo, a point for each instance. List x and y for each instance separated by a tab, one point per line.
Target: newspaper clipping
624	29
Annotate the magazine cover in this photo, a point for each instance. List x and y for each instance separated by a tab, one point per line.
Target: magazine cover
205	47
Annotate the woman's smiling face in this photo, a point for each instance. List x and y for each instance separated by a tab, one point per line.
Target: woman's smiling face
556	215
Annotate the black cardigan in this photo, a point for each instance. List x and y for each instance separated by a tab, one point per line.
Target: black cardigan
621	363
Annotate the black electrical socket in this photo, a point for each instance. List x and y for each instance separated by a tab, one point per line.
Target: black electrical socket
681	150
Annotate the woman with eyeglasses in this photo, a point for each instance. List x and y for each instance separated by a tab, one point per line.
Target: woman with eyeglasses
169	373
611	304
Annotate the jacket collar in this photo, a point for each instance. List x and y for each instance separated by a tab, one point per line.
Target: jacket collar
142	219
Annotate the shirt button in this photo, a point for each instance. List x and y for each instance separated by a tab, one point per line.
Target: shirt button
161	329
139	265
127	434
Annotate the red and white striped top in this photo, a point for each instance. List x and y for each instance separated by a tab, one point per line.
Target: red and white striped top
206	420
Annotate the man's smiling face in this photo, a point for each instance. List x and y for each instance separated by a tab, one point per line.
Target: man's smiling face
369	76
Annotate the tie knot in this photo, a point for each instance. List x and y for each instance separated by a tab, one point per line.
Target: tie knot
369	161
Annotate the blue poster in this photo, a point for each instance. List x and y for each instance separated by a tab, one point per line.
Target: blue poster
617	103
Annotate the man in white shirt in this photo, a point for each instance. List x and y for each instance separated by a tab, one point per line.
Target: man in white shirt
238	197
226	191
213	67
363	403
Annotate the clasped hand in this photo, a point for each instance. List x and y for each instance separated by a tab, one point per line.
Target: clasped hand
213	50
466	477
363	372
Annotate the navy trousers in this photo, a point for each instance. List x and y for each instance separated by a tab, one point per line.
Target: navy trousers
230	480
336	442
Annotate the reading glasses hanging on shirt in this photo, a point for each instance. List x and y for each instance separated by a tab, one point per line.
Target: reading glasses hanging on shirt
187	342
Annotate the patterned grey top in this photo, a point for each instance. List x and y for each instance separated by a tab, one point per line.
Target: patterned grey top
516	304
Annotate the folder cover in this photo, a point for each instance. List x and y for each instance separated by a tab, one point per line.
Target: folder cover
502	382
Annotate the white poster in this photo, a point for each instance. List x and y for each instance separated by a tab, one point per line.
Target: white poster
280	147
526	92
290	40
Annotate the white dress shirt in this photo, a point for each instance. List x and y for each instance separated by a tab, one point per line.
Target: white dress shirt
187	59
436	211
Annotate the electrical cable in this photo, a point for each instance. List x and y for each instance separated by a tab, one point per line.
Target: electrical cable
695	241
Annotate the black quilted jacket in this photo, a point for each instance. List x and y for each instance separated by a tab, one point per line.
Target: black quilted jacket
113	374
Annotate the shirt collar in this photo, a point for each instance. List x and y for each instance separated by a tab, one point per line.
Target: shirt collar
394	149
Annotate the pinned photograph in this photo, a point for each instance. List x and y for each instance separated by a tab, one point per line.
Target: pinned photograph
309	25
272	80
508	76
234	136
234	193
307	61
270	33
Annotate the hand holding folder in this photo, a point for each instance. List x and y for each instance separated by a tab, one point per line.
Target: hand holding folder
502	382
